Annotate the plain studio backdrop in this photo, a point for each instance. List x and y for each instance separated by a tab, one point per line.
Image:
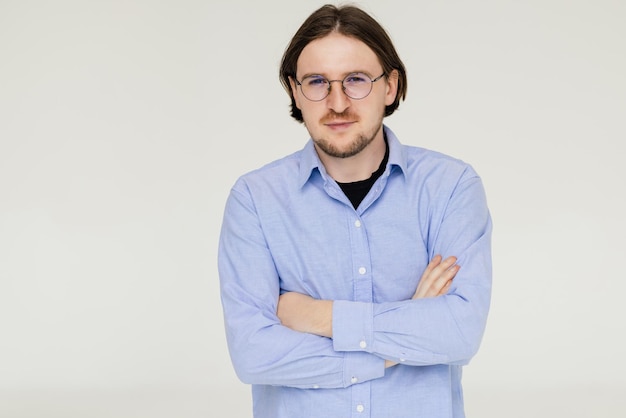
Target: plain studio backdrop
123	125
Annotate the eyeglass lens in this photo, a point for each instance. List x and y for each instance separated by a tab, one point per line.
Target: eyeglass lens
355	86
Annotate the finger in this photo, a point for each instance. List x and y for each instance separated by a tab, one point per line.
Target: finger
432	283
447	275
427	277
445	278
436	260
443	268
444	290
444	265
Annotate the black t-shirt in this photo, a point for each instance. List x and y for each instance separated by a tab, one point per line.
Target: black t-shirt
357	190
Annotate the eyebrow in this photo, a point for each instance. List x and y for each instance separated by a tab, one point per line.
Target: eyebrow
344	76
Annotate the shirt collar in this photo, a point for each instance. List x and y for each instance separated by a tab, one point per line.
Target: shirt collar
310	161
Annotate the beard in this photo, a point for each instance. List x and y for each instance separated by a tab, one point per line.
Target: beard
358	144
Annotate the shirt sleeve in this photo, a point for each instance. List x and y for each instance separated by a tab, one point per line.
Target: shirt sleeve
440	330
262	350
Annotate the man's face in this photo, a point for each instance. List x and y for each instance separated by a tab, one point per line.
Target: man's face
341	126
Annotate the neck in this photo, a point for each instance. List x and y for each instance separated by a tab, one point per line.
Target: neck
359	166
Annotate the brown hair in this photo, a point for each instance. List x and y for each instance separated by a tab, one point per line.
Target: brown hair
349	21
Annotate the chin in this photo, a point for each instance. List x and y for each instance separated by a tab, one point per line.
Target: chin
347	149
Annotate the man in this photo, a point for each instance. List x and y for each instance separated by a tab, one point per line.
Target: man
355	273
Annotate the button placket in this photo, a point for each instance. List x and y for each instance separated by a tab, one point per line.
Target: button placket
361	260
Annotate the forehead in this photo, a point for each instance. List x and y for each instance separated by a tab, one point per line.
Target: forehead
337	54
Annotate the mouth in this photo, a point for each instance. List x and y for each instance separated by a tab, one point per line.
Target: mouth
338	125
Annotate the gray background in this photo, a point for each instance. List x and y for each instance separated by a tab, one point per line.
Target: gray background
123	125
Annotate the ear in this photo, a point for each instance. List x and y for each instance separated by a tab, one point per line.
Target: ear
392	87
294	92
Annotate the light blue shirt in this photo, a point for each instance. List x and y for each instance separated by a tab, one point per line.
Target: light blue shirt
289	227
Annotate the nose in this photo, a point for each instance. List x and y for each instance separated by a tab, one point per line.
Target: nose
337	99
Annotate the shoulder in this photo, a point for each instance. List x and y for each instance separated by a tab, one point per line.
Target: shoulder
273	174
426	163
421	164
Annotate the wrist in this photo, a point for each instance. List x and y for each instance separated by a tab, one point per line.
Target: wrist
323	318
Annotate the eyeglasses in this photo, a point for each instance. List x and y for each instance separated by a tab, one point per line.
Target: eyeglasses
355	85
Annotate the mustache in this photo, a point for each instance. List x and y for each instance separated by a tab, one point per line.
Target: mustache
334	116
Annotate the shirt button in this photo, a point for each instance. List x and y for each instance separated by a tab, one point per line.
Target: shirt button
357	223
363	344
362	270
360	408
354	380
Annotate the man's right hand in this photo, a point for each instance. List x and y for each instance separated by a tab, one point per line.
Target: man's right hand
435	281
437	277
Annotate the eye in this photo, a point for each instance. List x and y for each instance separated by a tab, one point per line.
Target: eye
315	81
356	78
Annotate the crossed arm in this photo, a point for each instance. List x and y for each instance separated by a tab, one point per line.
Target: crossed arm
314	316
273	338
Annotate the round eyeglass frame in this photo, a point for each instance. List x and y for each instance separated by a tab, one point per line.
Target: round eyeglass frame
343	87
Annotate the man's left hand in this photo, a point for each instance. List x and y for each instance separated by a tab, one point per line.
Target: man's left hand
305	314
